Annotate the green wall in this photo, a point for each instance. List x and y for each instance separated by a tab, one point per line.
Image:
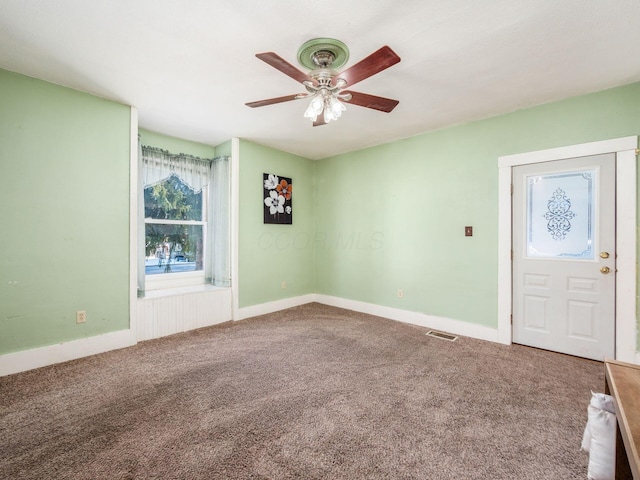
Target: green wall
272	254
394	215
64	213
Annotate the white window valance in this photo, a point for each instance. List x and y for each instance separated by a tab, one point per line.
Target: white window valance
158	165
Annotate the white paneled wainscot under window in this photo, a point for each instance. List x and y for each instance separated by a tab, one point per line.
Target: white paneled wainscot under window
162	313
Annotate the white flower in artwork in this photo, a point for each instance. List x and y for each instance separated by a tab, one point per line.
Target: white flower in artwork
271	182
288	210
275	202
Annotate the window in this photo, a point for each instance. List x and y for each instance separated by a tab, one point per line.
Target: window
183	220
175	228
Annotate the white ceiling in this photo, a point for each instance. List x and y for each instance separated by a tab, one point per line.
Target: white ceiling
189	66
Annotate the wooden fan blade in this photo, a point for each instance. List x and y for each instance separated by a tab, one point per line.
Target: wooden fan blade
279	63
271	101
371	101
374	63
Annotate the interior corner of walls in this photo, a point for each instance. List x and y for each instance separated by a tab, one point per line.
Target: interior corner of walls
224	148
17	362
275	306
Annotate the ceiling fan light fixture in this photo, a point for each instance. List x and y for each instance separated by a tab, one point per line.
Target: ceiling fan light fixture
326	103
333	109
315	107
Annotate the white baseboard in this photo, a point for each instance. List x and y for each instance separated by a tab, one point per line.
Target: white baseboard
443	324
17	362
39	357
448	325
275	306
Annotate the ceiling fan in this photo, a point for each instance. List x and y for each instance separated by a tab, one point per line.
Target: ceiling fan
325	86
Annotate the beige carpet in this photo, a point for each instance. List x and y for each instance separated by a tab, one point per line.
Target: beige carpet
313	392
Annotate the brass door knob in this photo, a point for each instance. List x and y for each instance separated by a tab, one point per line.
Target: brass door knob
604	254
605	270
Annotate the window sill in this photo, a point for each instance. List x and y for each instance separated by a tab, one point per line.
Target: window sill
168	292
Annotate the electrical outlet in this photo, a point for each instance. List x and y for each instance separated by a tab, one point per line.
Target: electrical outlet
284	285
81	316
400	294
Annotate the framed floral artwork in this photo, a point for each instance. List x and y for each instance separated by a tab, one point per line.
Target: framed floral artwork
277	199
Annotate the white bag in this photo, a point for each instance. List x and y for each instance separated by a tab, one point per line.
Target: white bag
599	438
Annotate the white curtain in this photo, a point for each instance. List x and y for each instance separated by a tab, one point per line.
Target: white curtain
218	268
159	165
141	230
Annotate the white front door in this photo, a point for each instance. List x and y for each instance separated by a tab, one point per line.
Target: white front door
564	259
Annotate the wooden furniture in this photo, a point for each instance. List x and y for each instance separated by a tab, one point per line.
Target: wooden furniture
623	383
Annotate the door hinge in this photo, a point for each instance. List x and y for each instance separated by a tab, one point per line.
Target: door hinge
512	189
512	255
637	151
511	318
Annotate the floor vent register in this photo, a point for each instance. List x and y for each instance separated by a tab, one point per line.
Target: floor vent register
443	336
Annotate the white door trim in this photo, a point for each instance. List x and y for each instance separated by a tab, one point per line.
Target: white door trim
626	194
